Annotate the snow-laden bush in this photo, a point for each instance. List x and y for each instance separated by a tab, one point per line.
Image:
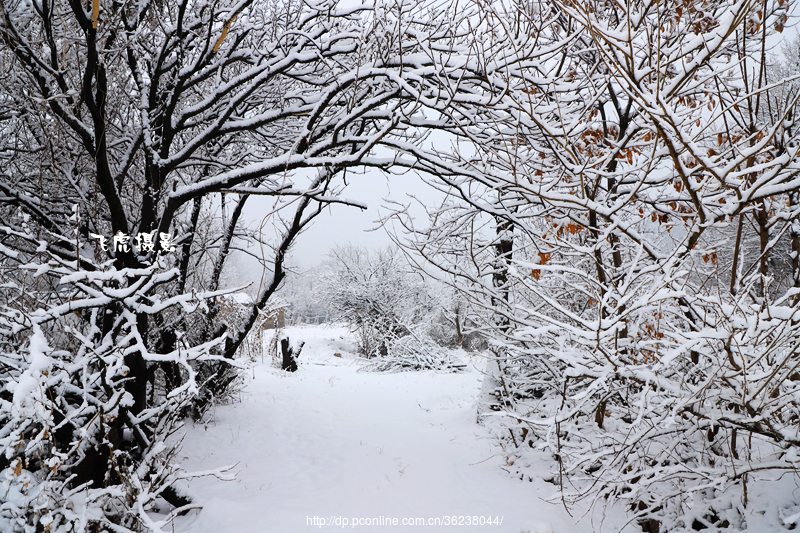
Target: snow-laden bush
414	352
672	422
378	295
87	444
395	314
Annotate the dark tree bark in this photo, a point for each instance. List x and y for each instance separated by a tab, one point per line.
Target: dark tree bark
289	355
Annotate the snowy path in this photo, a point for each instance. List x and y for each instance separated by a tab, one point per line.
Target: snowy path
330	442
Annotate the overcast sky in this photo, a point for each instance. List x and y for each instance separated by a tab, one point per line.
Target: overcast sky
340	224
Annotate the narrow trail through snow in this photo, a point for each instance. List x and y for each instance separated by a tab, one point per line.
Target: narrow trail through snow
329	442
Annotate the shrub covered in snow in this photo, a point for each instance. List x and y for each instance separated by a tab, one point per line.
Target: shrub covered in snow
378	295
414	352
395	313
84	445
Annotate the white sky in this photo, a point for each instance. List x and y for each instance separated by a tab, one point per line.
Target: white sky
340	224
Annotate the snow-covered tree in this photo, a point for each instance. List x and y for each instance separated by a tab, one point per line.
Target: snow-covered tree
376	293
122	123
393	310
626	224
302	295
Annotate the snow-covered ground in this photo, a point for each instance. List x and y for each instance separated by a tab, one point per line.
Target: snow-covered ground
330	444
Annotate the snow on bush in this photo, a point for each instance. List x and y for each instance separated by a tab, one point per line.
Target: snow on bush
414	352
391	308
82	446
